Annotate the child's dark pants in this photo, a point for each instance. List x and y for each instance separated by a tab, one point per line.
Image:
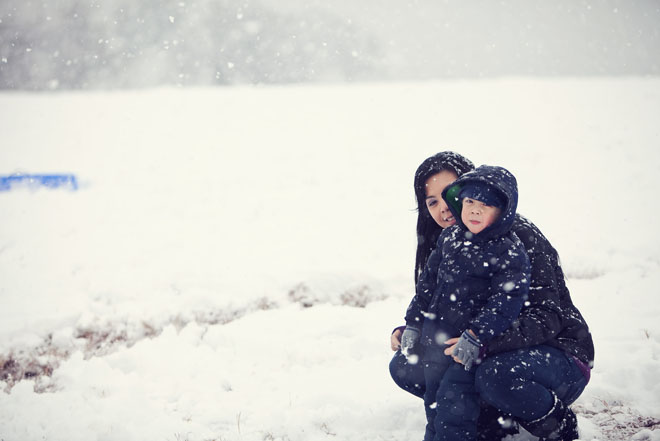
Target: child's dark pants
450	398
452	416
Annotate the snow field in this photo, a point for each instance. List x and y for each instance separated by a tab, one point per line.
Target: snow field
291	373
170	287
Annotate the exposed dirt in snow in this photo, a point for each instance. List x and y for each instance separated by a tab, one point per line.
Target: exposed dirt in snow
618	422
97	340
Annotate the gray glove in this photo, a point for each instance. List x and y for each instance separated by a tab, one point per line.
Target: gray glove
409	339
467	350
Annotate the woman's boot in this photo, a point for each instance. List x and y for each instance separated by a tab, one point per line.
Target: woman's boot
559	424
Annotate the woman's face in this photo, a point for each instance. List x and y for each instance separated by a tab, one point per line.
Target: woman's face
434	203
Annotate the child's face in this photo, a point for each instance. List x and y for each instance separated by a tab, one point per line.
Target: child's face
477	216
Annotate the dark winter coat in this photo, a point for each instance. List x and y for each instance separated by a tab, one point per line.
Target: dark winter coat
476	282
549	316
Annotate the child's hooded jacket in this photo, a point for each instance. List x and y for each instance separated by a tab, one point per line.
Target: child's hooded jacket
472	281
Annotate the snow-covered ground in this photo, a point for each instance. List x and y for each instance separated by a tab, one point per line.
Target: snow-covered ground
235	259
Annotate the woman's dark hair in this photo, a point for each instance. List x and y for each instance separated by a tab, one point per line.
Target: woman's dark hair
427	229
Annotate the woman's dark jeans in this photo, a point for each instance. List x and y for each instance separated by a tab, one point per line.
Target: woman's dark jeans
408	376
519	383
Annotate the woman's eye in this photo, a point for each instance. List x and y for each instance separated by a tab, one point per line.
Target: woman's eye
431	203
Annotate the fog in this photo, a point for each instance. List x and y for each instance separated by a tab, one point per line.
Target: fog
88	44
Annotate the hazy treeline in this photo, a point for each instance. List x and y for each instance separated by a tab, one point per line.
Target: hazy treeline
128	43
84	44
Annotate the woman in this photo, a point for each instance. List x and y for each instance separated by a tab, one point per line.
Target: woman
538	367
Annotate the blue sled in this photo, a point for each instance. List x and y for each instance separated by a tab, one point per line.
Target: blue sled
68	181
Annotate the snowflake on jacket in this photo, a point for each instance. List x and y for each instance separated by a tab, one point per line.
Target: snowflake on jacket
472	281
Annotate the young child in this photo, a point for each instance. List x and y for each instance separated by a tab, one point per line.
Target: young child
473	285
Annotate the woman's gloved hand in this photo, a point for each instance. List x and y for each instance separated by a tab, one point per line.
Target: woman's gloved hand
409	340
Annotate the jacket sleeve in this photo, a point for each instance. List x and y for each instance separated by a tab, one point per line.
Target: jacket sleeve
509	287
540	318
424	290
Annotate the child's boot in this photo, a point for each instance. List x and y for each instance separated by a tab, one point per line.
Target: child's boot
494	425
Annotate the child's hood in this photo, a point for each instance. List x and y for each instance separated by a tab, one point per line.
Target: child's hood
497	178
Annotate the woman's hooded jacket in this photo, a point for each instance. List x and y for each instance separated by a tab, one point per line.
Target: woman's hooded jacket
473	281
